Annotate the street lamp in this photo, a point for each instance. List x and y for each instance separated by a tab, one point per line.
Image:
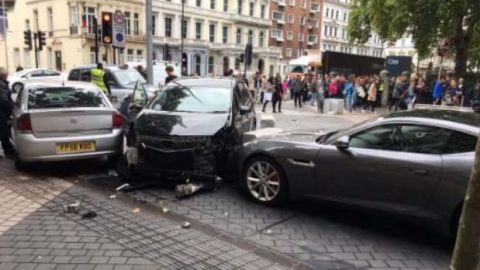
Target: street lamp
182	33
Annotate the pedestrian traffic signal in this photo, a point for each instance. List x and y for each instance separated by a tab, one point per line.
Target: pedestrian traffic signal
41	40
107	28
27	36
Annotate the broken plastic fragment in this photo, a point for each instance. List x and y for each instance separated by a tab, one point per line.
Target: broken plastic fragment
89	214
188	189
112	173
140	200
164	209
268	231
123	186
186	225
113	196
72	208
136	210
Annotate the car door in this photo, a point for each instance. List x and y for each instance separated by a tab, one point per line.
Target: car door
246	108
390	166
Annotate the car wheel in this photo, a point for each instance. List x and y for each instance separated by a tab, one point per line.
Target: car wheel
265	181
17	87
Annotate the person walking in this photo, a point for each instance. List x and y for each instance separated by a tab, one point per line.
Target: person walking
349	92
372	95
268	93
320	93
298	88
438	91
99	79
291	86
396	94
277	95
6	109
312	88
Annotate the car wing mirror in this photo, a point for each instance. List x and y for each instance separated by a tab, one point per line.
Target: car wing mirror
342	143
244	109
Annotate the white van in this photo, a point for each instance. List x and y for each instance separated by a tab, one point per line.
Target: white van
159	73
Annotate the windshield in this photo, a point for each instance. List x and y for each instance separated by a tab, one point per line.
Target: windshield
64	97
297	69
180	98
128	77
341	132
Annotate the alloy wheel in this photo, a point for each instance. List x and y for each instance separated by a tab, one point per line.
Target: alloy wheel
263	181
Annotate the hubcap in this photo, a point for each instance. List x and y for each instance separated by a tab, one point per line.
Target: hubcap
263	181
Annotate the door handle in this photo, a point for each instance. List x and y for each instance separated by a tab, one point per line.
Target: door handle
419	172
303	163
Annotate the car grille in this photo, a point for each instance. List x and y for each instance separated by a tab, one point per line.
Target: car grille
175	142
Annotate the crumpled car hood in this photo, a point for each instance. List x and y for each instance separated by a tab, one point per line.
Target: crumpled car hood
154	123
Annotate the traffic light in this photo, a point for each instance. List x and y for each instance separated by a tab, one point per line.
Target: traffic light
41	40
248	54
107	28
241	58
27	36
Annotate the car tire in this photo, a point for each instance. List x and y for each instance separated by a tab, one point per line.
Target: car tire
264	181
17	87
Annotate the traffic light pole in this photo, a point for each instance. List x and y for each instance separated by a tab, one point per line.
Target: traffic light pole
95	27
35	49
5	33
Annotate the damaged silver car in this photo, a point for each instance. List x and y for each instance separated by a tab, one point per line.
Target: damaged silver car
188	130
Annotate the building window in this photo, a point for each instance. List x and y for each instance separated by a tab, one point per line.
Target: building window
345	16
314	6
128	29
211	64
250	37
136	29
261	38
16	57
92	55
199	3
288	52
326	12
139	55
50	57
225	5
239	8
225	35
277	15
312	39
154	24
251	10
239	36
212	4
291	18
336	15
302	20
73	20
198	30
277	33
300	36
289	35
90	13
130	55
212	33
262	11
50	21
198	64
326	31
168	27
184	28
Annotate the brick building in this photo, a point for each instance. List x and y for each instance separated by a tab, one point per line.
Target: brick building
295	29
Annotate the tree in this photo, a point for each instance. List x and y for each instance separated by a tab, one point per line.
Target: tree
467	248
427	21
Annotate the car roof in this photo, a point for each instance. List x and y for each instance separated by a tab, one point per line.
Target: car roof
110	67
466	118
52	84
203	82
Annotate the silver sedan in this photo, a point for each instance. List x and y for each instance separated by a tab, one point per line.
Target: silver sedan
64	121
415	163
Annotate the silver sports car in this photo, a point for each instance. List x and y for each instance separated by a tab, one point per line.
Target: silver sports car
415	163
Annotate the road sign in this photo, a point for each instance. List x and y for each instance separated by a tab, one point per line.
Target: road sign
118	29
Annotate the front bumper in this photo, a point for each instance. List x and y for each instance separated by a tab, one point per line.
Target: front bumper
33	149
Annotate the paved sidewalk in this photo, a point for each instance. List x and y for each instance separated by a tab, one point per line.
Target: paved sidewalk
37	233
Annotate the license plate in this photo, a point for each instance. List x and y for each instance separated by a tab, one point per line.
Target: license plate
75	147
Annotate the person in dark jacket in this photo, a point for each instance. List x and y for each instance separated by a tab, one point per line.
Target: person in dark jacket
170	75
6	108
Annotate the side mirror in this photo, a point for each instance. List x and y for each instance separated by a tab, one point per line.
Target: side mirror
342	143
245	110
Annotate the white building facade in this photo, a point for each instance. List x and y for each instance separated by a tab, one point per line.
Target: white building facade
215	35
334	35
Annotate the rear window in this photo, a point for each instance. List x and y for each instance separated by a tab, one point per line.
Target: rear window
64	97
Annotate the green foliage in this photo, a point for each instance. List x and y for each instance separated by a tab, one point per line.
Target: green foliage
427	21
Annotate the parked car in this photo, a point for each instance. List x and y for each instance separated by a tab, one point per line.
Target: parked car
121	79
19	79
64	121
414	163
189	129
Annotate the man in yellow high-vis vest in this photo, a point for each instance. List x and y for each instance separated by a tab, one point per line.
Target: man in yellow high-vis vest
98	78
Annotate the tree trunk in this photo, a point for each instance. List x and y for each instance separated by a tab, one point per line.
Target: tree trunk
466	255
461	42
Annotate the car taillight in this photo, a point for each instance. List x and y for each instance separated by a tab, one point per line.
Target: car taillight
24	123
117	120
